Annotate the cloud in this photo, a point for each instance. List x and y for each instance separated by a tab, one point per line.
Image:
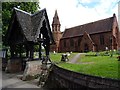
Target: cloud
88	3
72	12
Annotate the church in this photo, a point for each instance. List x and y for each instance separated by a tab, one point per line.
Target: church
94	36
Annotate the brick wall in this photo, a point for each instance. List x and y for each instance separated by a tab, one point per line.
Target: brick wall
57	36
95	38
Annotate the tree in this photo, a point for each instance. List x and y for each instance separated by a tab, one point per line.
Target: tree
7	8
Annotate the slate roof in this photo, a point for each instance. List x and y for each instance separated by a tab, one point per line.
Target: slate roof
99	26
31	23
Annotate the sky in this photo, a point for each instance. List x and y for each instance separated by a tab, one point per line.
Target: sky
77	12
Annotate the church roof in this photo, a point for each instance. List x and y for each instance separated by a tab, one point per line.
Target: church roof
99	26
30	24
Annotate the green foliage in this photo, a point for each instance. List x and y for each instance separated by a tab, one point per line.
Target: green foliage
7	8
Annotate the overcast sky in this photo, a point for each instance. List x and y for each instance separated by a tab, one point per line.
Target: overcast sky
77	12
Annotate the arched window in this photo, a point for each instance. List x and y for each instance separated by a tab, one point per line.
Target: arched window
102	39
79	41
110	39
71	42
64	43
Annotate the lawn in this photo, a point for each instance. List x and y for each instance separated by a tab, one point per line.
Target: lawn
56	58
103	66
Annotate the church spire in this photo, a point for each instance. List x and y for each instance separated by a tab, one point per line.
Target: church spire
56	32
56	19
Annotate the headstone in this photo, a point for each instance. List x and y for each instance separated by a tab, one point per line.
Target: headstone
68	54
106	48
54	52
64	58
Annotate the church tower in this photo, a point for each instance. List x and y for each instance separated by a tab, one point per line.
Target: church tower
57	34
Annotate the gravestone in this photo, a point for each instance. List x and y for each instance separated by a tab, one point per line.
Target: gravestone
64	57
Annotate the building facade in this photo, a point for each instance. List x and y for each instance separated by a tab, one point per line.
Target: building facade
94	36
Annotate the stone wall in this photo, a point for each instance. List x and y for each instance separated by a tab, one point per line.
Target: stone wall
62	78
32	68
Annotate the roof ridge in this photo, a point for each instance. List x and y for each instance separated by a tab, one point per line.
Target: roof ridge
90	23
44	9
22	11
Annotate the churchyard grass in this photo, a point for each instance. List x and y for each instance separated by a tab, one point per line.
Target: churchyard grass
103	66
56	58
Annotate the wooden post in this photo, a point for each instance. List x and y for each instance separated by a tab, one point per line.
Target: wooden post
40	50
27	51
39	40
12	51
31	51
20	51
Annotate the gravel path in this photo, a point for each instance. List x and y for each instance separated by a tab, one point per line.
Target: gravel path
75	58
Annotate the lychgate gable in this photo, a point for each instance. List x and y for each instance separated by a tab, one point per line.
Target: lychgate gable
24	31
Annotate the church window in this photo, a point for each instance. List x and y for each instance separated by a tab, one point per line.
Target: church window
102	39
110	39
79	42
64	43
71	42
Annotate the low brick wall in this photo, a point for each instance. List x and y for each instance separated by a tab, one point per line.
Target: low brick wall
14	65
69	79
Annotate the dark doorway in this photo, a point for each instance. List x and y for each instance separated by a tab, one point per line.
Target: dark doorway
86	48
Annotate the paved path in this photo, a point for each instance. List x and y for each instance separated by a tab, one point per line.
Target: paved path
13	81
75	58
8	80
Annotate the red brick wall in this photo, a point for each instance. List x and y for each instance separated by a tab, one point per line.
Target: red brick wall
96	40
69	48
94	37
57	36
86	40
115	32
